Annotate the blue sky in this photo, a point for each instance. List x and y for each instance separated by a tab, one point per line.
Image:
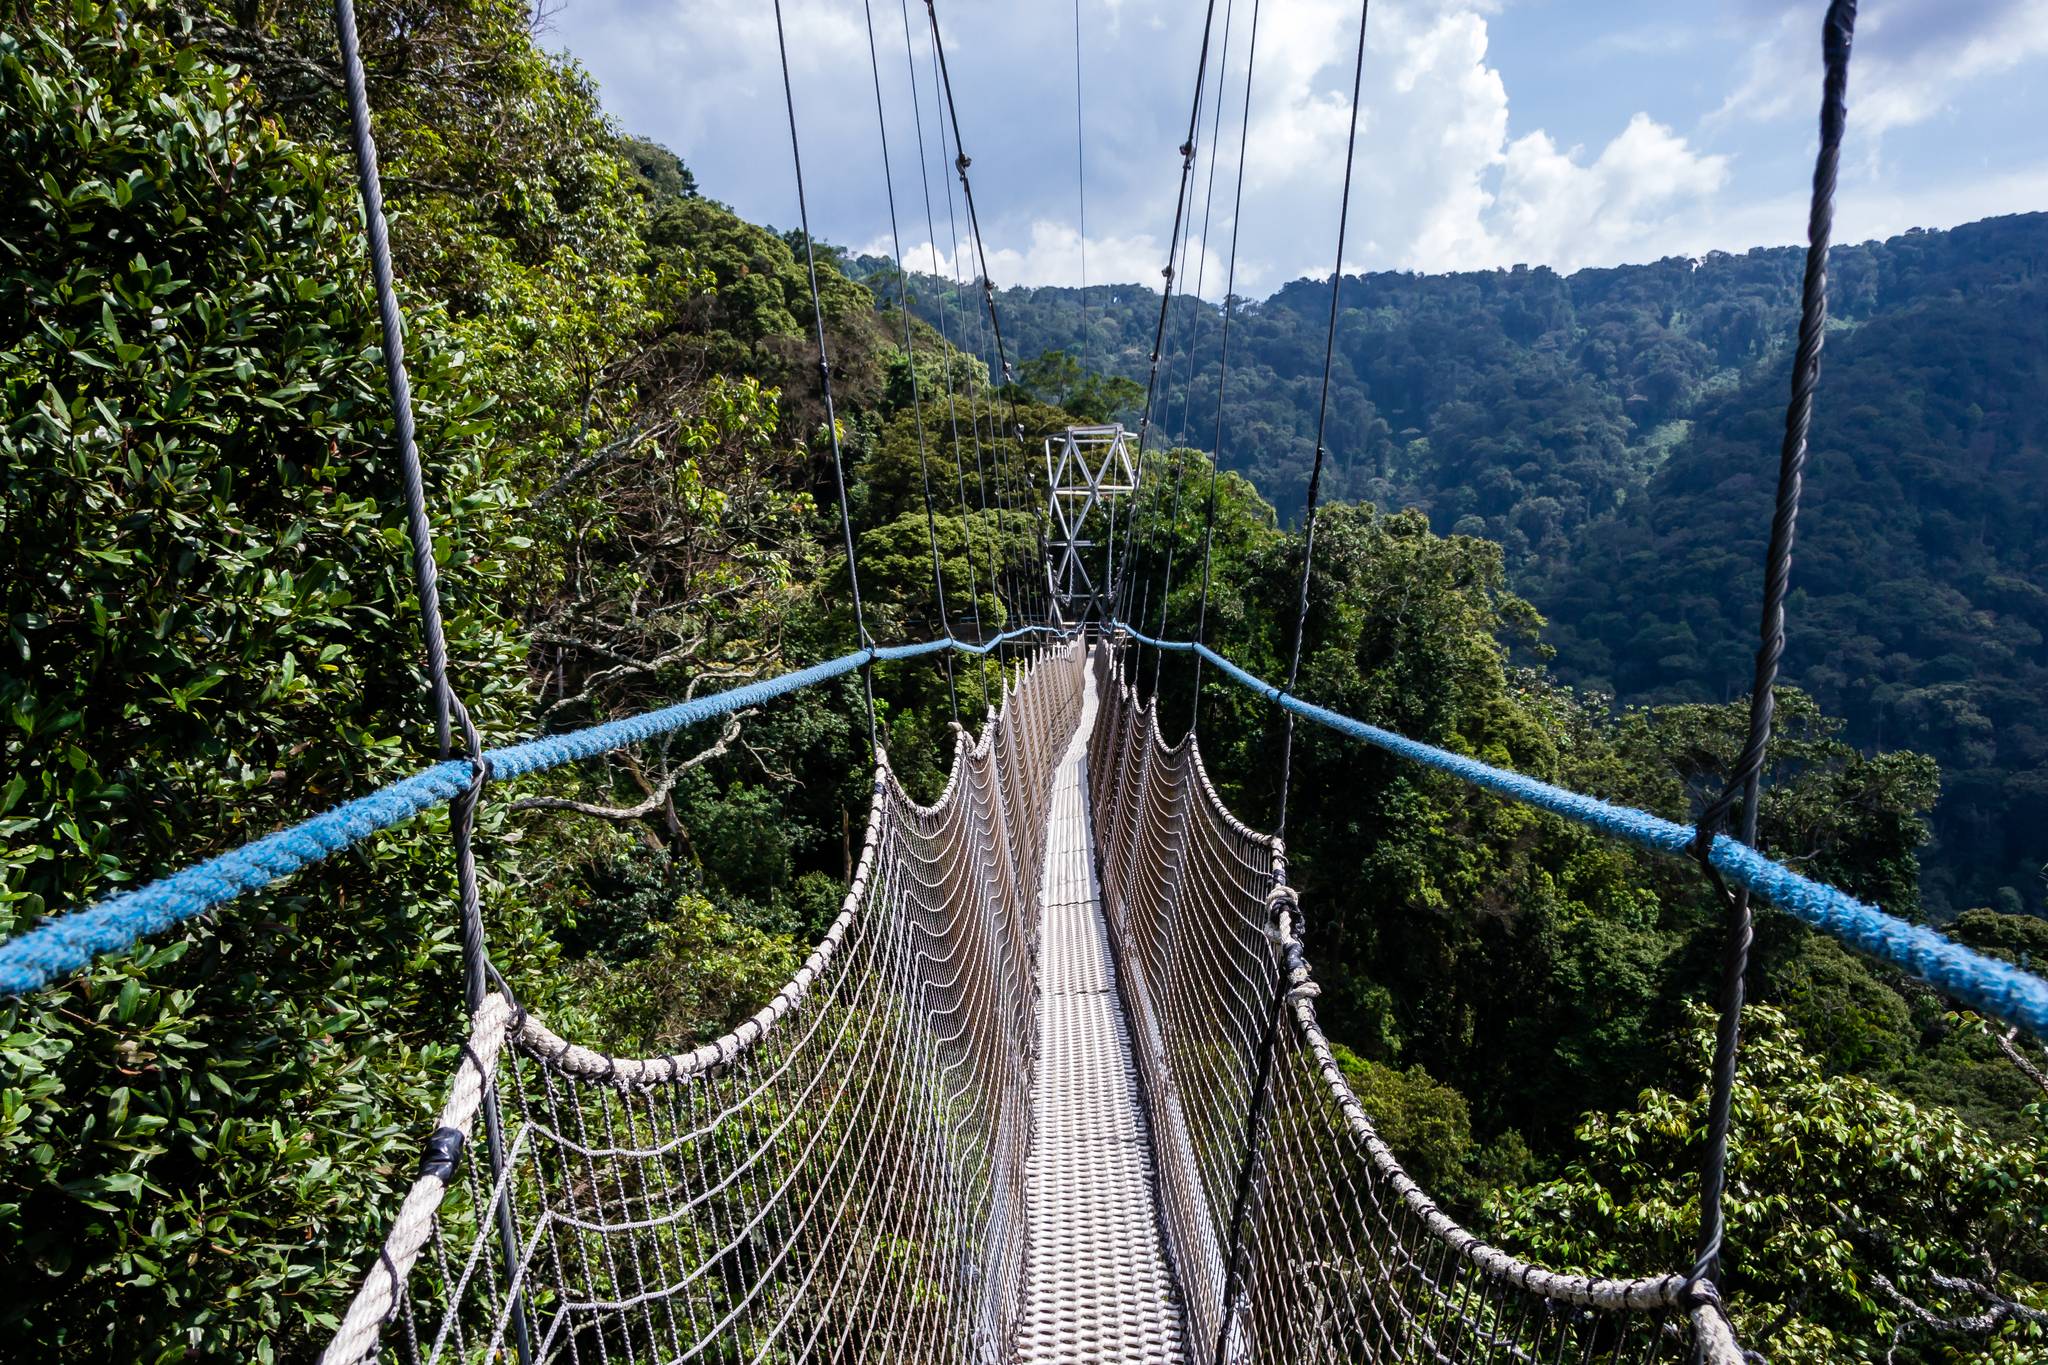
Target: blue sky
1563	132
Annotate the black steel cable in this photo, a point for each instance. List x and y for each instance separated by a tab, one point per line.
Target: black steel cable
1113	585
867	672
1315	475
476	964
931	519
1223	367
952	412
1193	332
1746	782
392	324
998	570
961	161
1081	181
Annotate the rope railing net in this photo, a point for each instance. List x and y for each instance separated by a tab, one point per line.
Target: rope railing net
1339	1256
839	1178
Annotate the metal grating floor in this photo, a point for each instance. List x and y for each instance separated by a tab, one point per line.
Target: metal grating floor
1096	1284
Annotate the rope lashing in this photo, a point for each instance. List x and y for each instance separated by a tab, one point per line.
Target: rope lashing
65	943
1997	988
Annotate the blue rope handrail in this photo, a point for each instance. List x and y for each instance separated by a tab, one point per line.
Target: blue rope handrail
66	943
1997	988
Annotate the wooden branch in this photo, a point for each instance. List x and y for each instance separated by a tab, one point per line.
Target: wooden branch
657	797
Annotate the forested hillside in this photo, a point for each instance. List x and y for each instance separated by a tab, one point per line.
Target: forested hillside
211	633
1616	432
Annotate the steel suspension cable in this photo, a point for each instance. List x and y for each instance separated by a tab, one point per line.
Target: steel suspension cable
1081	180
1315	475
998	571
1283	902
961	162
1746	782
1118	591
476	964
1193	330
952	412
1134	547
1223	369
867	672
931	520
1187	396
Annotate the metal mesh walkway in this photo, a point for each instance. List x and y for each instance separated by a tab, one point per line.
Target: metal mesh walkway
1096	1282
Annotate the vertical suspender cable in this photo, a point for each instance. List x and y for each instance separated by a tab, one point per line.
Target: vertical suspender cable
1080	182
1282	900
1193	331
393	324
998	574
952	413
1114	585
1746	782
988	288
476	968
867	670
1315	475
924	468
1223	369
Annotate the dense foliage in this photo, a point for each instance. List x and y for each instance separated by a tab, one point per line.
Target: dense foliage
211	631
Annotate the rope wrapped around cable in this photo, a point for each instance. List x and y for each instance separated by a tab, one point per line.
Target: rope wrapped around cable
1343	1256
838	1178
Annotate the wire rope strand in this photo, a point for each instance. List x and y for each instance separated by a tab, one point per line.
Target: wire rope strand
1223	370
924	468
392	323
1746	782
1081	181
952	413
961	161
997	571
475	953
1193	330
1315	476
825	381
1114	585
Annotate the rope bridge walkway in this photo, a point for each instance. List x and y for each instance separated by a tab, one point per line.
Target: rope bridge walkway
999	1115
1052	1087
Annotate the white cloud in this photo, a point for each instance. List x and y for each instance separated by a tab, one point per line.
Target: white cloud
1446	177
1909	61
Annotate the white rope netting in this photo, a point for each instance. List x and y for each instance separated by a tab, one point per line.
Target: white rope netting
1340	1255
839	1178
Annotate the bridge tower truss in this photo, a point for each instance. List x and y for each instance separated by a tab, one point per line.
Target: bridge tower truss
1086	469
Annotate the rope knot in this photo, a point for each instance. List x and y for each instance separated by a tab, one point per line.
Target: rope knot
1283	900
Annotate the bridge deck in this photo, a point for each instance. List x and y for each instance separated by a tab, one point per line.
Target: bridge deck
1096	1283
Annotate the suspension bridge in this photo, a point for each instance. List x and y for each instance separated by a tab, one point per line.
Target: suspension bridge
1052	1086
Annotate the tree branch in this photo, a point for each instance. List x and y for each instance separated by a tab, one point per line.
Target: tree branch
657	797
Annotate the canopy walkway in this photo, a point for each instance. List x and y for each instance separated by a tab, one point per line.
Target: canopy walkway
1051	1089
